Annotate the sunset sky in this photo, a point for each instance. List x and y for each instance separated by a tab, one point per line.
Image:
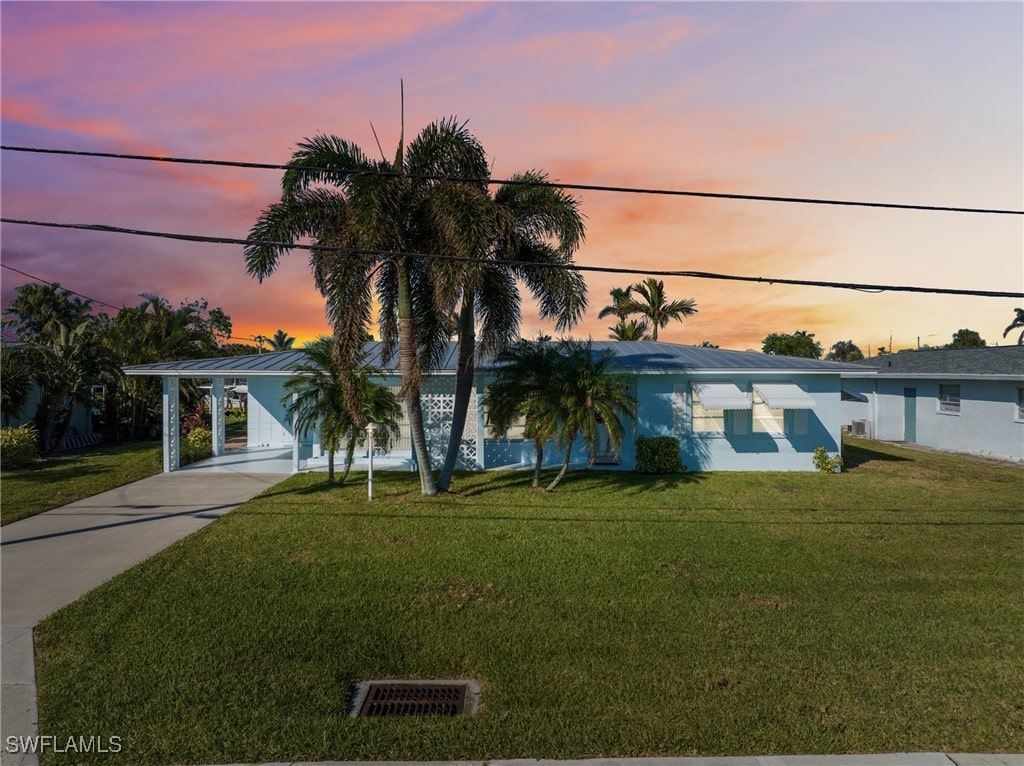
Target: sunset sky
918	103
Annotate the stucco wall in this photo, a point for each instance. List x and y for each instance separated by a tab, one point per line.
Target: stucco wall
986	424
268	423
666	411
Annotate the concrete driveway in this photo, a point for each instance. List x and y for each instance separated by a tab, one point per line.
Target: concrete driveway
48	561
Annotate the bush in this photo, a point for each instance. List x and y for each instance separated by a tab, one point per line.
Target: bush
197	445
659	454
825	463
18	446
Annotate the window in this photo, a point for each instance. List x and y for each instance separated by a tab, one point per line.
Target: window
1020	404
949	398
705	421
767	420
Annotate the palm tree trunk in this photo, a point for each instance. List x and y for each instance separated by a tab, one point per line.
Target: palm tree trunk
330	466
410	379
463	388
351	446
565	467
540	461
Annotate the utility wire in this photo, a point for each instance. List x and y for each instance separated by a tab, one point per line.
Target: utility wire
513	182
51	282
523	264
92	300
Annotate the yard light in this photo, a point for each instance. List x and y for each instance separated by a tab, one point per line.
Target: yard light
370	429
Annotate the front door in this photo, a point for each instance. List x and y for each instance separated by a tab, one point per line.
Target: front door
910	415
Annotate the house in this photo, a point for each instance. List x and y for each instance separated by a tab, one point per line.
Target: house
961	400
730	410
81	432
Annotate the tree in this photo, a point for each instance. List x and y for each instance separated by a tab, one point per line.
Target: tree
37	311
707	344
525	387
154	331
801	343
965	338
281	341
654	307
65	370
1018	321
526	221
619	306
335	195
15	382
590	394
315	400
629	330
844	351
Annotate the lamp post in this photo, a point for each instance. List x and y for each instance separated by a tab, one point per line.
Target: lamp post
370	429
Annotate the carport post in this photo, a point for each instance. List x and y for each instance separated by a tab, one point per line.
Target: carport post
217	415
171	425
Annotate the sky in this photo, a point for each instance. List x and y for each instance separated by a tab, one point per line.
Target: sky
917	103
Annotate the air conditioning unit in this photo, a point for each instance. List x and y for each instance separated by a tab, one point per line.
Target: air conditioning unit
861	428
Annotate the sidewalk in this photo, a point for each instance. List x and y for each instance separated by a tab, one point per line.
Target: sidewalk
48	561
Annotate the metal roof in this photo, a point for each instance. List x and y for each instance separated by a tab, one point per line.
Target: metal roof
632	356
993	361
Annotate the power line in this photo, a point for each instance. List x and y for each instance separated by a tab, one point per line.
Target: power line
51	282
523	264
514	182
93	300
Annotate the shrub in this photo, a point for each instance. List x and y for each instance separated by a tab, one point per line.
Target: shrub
18	446
197	417
659	454
197	445
825	463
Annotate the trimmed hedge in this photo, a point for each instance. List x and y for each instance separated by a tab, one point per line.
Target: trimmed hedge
658	454
18	446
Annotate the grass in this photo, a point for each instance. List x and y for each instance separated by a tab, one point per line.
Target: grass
874	611
57	481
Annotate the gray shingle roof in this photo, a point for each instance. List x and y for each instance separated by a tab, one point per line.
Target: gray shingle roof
632	356
995	360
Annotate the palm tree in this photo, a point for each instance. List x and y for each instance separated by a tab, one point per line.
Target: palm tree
65	370
525	387
1018	321
525	221
620	304
281	341
315	401
335	195
655	308
844	351
629	330
590	394
15	382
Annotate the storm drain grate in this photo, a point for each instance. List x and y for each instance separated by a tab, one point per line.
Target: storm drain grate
398	698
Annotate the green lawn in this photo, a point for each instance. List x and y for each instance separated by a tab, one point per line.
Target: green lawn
60	480
877	610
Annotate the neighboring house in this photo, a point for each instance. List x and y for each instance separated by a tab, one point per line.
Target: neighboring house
961	400
81	430
730	410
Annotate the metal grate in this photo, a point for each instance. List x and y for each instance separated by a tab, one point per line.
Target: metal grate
395	699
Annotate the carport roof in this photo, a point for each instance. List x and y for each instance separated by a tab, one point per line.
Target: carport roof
632	356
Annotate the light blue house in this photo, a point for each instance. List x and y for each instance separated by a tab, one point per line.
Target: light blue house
959	400
730	410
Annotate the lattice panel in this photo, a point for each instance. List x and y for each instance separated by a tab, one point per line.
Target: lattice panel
437	397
